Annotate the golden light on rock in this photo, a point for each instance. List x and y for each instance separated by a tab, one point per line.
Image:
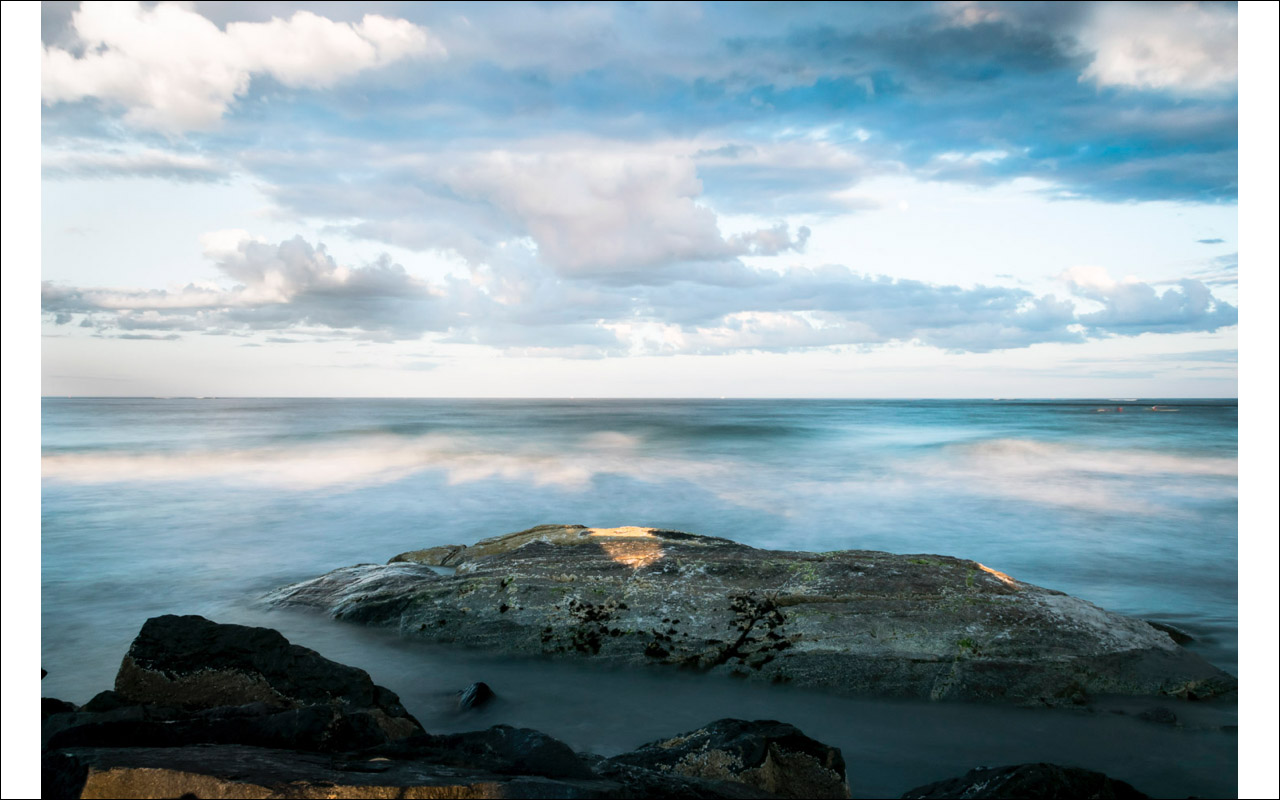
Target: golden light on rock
626	532
630	545
1003	577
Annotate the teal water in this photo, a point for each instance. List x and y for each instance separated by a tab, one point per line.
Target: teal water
199	506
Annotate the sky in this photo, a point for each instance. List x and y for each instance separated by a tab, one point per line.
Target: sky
398	199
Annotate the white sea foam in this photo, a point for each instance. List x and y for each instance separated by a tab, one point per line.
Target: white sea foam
384	459
1020	456
1055	474
1021	469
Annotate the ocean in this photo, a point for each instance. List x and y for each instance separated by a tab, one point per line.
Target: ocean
153	506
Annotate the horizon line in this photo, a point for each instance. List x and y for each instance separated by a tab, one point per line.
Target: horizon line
1098	398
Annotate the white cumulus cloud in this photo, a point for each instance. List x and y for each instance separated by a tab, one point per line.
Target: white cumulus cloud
173	70
610	213
1178	46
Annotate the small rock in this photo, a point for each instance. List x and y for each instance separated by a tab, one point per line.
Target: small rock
1029	781
105	701
1178	635
500	749
431	556
50	705
474	696
771	756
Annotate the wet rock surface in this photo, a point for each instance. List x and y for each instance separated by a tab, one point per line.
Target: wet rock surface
226	711
1048	781
768	755
52	705
193	663
852	621
475	696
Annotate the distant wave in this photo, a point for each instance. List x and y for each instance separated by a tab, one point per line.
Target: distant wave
1027	470
382	459
1021	455
1098	479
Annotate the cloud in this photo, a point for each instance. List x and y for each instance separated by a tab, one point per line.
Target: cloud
1210	356
787	109
593	213
276	288
797	175
174	70
595	209
144	163
772	241
1210	241
1224	270
1189	47
1131	306
518	305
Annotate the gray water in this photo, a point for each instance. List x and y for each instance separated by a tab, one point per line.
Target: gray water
200	506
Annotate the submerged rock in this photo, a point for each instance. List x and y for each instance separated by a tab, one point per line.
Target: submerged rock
852	621
475	696
771	756
1048	781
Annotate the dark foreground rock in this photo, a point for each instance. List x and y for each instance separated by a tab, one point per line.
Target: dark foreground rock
188	681
52	705
768	755
853	621
193	663
227	771
1048	781
224	711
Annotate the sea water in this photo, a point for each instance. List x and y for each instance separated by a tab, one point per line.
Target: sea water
153	506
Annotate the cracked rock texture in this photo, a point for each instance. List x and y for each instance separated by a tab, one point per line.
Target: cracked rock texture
850	621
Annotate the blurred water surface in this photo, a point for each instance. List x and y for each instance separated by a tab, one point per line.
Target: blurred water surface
154	506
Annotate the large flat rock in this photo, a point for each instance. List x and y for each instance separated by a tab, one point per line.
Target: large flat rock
851	621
